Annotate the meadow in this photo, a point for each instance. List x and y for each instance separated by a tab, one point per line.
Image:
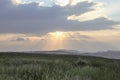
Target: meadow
20	66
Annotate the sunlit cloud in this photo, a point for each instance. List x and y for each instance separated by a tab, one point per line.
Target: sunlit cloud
61	2
86	16
91	15
48	2
40	3
111	8
82	40
17	2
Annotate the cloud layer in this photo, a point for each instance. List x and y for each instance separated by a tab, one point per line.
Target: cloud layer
31	18
57	24
81	40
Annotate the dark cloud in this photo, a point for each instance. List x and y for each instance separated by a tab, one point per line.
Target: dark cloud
30	18
20	39
78	36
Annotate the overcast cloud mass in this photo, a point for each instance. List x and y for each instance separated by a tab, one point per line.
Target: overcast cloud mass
85	24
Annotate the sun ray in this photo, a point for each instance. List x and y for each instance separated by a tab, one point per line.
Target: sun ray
55	40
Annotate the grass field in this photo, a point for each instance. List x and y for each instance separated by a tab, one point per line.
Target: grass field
19	66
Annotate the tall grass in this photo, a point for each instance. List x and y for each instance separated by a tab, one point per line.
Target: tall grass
15	66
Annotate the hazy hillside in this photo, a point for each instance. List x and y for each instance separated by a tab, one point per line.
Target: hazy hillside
106	54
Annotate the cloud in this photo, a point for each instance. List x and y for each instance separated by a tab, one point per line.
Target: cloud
49	2
31	18
16	2
111	8
76	36
20	39
77	40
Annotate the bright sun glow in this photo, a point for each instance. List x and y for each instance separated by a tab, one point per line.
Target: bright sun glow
59	34
16	2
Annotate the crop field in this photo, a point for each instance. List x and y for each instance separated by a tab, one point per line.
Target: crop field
20	66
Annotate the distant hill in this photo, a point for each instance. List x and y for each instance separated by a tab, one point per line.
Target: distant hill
105	54
66	52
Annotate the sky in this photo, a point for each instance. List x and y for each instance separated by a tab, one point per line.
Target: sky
37	25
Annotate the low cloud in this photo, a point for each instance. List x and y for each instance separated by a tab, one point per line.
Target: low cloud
76	36
20	39
80	40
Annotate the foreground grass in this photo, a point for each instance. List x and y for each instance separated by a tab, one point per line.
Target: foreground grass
15	66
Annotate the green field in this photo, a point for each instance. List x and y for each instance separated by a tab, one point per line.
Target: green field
19	66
